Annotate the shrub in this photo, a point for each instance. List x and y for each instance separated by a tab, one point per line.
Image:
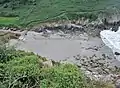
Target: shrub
16	3
8	14
6	53
63	76
23	71
28	65
27	71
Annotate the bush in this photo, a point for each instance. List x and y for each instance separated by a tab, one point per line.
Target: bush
27	70
8	14
16	3
28	65
63	76
9	53
23	71
6	53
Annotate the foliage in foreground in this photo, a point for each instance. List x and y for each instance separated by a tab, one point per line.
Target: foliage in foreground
63	76
26	70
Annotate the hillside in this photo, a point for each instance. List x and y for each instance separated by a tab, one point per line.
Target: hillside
30	12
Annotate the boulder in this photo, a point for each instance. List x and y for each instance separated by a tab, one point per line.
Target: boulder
39	30
47	63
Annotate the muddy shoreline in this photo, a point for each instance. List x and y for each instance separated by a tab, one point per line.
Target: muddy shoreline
76	43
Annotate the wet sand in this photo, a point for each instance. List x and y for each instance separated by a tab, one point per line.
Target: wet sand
60	48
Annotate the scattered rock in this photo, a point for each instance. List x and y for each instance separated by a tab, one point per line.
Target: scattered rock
47	63
39	30
117	82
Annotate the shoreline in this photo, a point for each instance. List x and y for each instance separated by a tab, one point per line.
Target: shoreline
75	46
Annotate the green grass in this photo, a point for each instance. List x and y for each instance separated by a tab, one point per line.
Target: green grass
47	10
8	21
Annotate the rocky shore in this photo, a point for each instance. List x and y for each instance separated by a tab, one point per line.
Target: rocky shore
76	42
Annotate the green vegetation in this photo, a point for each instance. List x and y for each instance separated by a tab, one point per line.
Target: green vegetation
8	20
32	12
63	76
25	70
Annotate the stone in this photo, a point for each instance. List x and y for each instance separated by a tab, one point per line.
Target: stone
39	30
117	53
14	29
117	82
48	63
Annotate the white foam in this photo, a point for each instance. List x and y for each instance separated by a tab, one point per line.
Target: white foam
112	40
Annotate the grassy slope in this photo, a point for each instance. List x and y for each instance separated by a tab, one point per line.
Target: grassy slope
59	9
8	20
